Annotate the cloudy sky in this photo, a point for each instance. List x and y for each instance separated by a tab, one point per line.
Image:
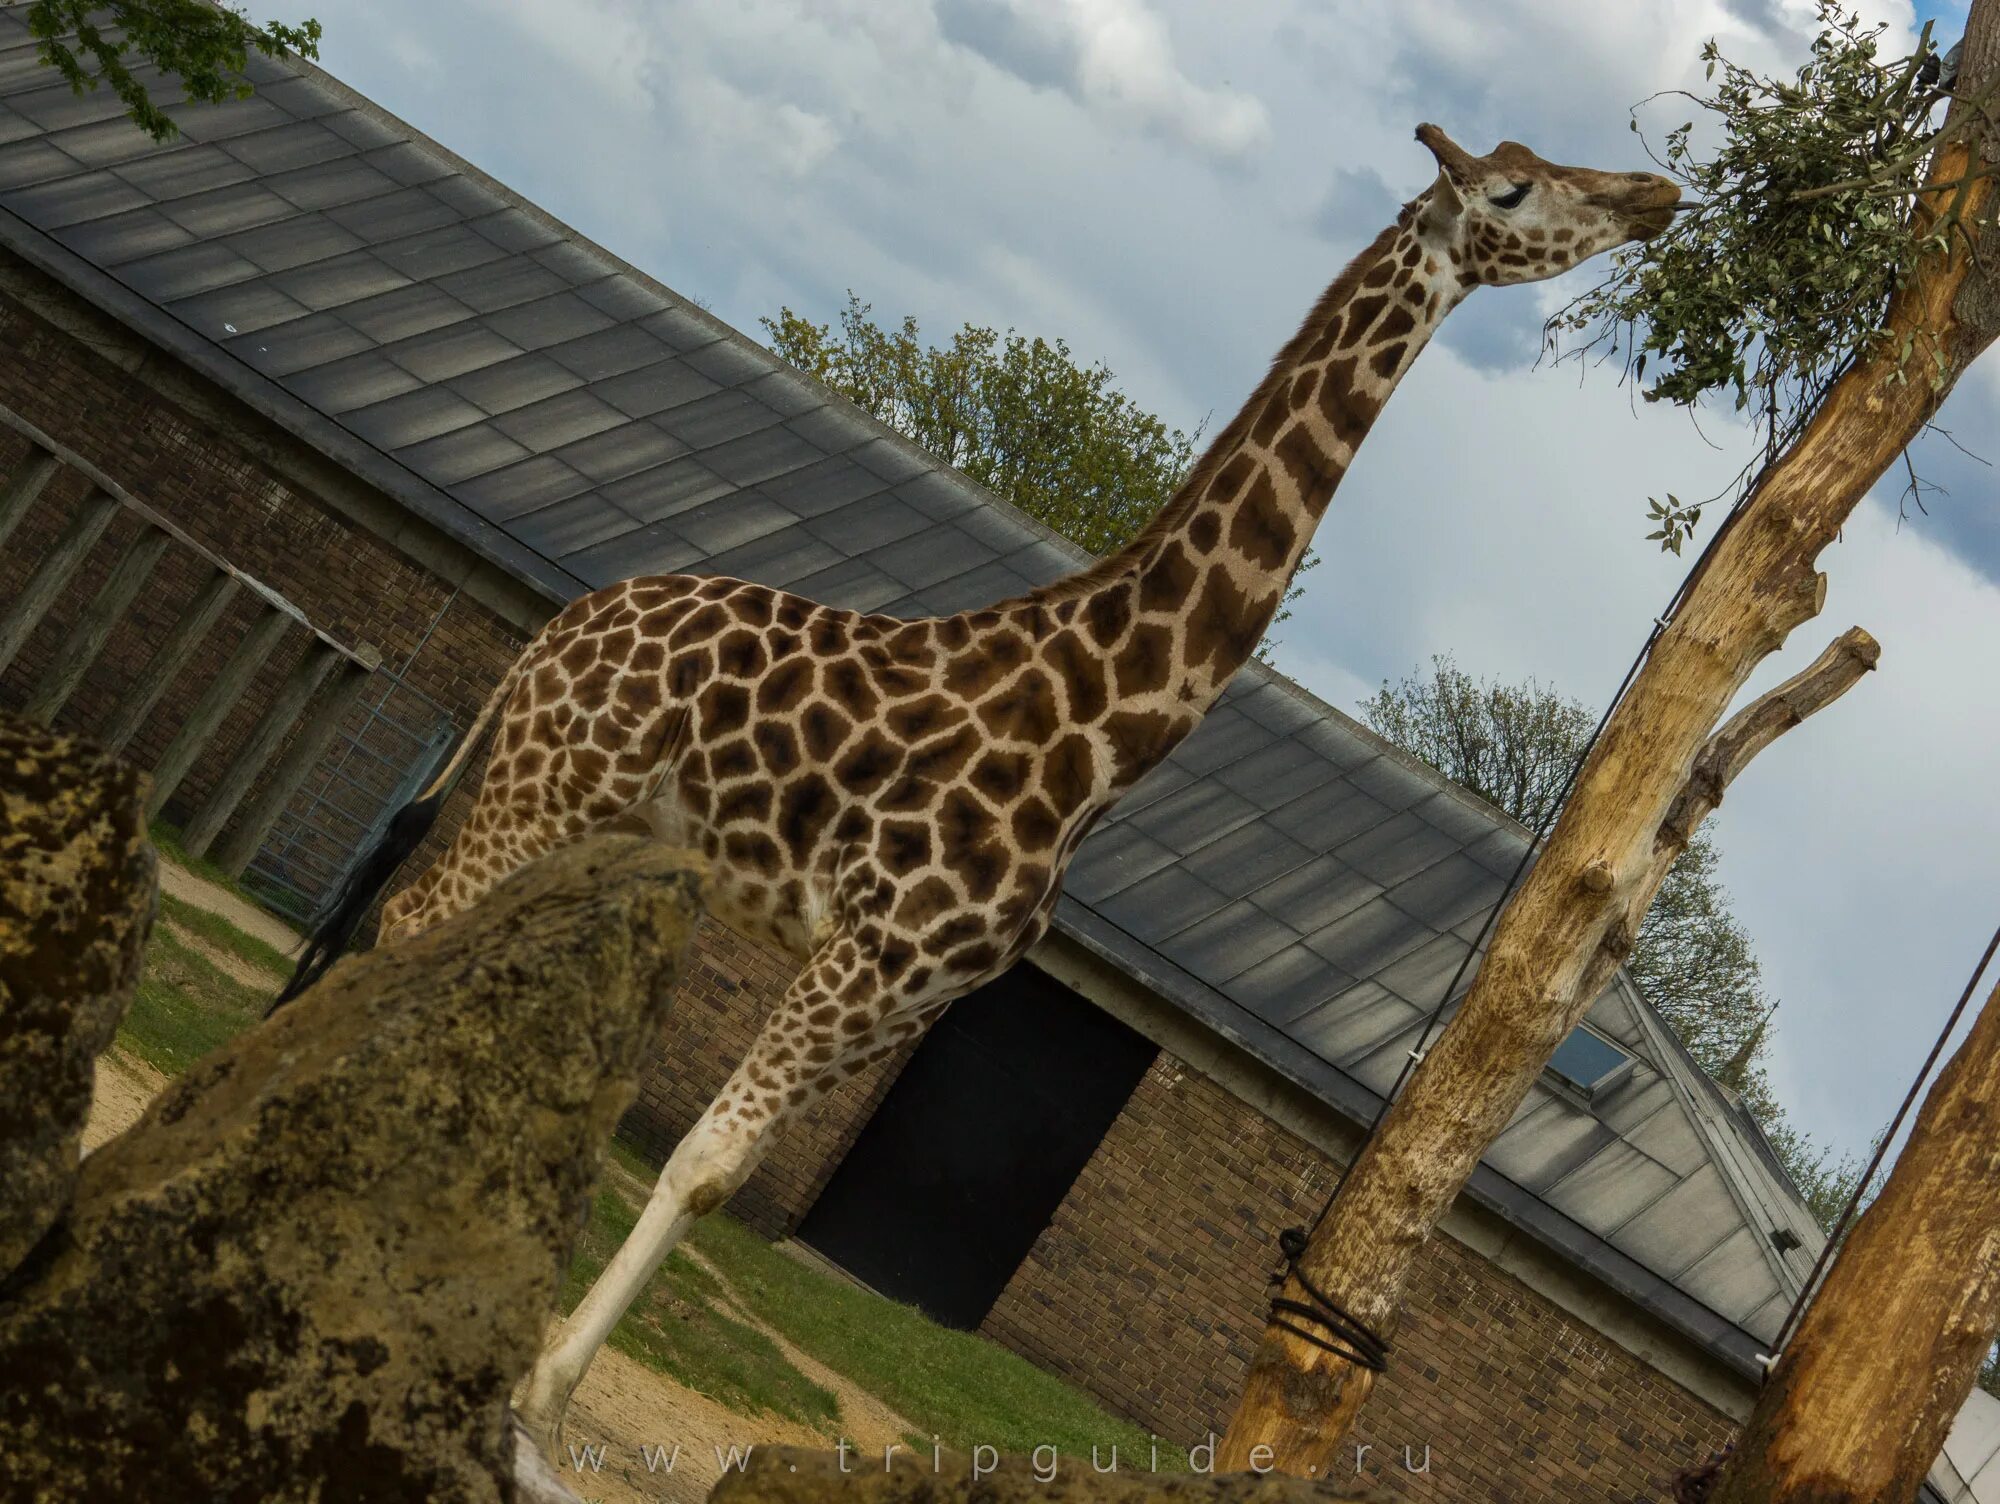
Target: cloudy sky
1167	184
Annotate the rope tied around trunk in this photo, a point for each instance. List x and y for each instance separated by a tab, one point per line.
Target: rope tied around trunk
1346	1335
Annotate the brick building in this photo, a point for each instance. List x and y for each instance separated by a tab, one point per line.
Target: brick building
328	359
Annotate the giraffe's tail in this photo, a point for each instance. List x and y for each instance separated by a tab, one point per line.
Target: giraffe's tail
407	829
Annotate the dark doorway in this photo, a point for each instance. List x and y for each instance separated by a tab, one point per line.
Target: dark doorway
976	1144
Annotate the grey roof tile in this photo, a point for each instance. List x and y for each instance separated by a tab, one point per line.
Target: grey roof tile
407	163
655	388
558	420
1449	891
1398	848
1690	1219
413	417
570	526
507	384
1313	894
296	143
451	350
1277	773
339	279
512	230
974	589
894	460
824	485
862	527
1546	1143
69	200
682	328
623	298
186	270
332	183
103	143
343	384
708	422
404	312
727	524
524	487
318	339
939	494
430	255
780	557
1370	939
1192	816
56	106
552	320
618	452
928	558
229	117
1288	984
463	453
667	490
853	584
241	308
294	241
1248	857
221	211
118	238
609	352
1612	1186
357	127
1354	1023
1224	736
1232	939
1331	812
1169	900
404	212
497	285
653	549
1424	975
761	456
31	161
788	395
183	173
1115	858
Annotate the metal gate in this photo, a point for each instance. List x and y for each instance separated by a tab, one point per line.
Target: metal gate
385	751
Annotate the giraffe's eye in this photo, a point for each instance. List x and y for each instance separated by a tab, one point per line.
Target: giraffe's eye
1511	199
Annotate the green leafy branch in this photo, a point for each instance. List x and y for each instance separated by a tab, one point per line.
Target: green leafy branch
1805	223
206	46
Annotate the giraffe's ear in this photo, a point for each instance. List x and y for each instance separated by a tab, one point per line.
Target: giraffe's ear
1444	205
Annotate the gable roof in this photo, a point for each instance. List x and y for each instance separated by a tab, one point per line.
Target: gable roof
1286	877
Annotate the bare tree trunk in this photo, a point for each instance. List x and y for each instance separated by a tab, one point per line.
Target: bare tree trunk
1575	917
1886	1353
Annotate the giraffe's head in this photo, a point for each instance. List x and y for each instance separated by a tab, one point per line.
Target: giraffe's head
1511	217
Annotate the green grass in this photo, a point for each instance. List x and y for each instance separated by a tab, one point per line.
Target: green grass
954	1385
185	1006
168	839
677	1328
223	935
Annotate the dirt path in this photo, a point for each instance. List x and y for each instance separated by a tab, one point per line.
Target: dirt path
123	1087
246	916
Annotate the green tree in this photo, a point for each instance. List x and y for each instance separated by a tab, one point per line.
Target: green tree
1021	416
1514	746
206	46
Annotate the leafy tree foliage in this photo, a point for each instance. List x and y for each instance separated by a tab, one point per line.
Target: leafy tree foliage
207	47
1514	745
1799	231
1021	416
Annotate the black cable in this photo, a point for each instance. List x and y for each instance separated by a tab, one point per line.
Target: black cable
1833	1238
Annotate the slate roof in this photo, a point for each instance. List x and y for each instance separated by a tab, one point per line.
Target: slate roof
1286	877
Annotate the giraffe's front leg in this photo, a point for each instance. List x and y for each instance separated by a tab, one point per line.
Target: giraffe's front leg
801	1052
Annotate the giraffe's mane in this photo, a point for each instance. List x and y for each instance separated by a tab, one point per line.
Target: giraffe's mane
1173	513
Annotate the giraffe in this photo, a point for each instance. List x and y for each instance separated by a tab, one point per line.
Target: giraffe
894	802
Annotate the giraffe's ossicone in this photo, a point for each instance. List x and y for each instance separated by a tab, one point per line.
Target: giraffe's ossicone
894	802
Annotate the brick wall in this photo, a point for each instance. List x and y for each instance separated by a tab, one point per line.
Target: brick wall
1148	1289
350	583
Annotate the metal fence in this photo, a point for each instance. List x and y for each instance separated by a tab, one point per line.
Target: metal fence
385	751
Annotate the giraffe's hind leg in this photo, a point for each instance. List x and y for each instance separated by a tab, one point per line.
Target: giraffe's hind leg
548	781
837	1018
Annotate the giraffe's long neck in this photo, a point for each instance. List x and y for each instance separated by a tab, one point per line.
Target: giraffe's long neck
1183	606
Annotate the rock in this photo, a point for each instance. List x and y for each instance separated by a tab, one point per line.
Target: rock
791	1475
76	901
319	1263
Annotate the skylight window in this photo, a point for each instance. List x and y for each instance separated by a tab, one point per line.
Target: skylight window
1587	1062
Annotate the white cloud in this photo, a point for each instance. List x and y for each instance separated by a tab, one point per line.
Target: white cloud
1117	58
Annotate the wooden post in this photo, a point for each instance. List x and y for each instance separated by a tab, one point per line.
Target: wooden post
87	638
215	702
24	487
313	666
234	852
169	659
58	564
1866	1389
1574	917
